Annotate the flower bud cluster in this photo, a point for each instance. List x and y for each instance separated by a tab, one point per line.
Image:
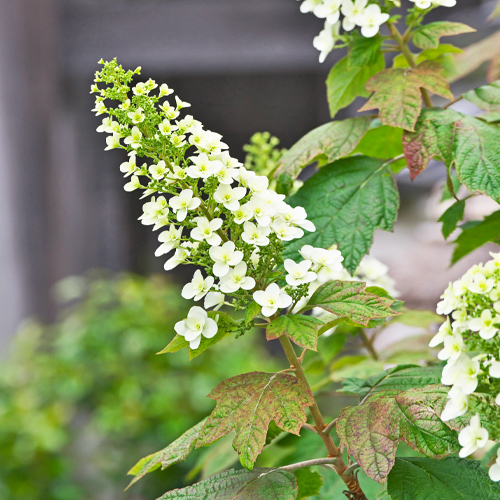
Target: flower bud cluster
208	209
470	340
363	14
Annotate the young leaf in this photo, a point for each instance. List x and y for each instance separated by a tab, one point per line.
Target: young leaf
308	481
262	484
251	312
333	140
381	142
418	478
393	380
303	330
348	299
477	235
345	83
397	93
453	215
486	97
364	51
176	452
347	201
372	431
247	403
427	36
177	343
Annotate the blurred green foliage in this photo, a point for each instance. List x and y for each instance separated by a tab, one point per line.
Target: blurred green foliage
83	399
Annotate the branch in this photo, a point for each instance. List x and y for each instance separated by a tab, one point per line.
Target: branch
311	428
309	463
330	426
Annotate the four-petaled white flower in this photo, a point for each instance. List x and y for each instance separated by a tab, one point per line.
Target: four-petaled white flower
113	141
271	299
228	196
165	90
134	139
137	116
236	278
480	284
371	19
206	230
485	324
225	256
255	235
203	167
129	167
472	437
462	373
166	128
453	346
196	325
169	239
457	405
215	300
444	331
159	170
198	287
184	202
299	274
180	256
329	10
133	184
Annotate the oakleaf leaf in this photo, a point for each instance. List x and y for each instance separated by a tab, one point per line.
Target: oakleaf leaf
347	201
303	330
486	97
333	140
427	36
345	83
372	431
364	51
477	235
349	299
393	380
397	92
308	481
247	403
451	217
259	484
176	452
416	478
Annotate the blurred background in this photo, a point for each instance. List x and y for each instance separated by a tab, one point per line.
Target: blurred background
245	67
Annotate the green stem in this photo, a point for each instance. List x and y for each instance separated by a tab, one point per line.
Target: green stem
333	451
368	344
403	47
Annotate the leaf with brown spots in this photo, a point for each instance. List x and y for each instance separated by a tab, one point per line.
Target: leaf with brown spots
247	403
397	92
372	431
427	36
303	330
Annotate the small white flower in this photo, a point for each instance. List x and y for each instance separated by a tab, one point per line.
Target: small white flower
371	19
215	300
165	90
134	139
485	324
449	302
181	104
198	287
443	332
108	125
180	256
271	299
166	128
494	369
472	437
242	214
255	235
462	373
196	325
286	232
224	174
154	211
159	170
133	184
228	196
453	345
225	256
100	108
327	263
299	273
457	405
494	470
129	167
309	5
169	239
236	278
422	4
261	210
177	140
184	202
329	10
480	284
325	41
206	230
140	89
113	141
136	116
297	217
202	167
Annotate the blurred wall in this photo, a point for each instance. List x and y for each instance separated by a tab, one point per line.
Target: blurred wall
245	67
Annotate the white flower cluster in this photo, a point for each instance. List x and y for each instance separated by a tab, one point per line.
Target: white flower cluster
357	13
210	210
473	302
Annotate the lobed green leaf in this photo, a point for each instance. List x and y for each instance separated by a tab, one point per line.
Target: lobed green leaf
332	140
419	478
303	330
247	403
347	201
451	217
486	97
428	36
308	481
259	484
